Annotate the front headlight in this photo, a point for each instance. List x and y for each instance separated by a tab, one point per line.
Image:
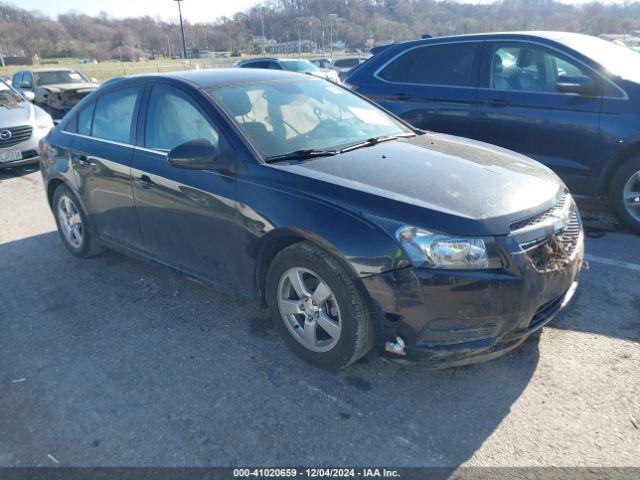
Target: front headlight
43	119
433	250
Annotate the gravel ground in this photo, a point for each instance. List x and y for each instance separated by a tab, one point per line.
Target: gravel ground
113	362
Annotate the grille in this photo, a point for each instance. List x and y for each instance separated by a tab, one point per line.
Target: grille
550	238
18	134
541	217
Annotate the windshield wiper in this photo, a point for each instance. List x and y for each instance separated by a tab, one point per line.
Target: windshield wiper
301	155
369	142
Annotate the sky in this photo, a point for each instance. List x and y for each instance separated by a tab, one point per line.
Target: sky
193	10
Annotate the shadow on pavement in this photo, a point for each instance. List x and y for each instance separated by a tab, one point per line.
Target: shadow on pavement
113	362
6	173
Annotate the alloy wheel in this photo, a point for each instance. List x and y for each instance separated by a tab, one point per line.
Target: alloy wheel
70	221
631	196
309	309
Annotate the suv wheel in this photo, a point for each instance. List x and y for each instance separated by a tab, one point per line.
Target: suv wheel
73	224
317	308
624	194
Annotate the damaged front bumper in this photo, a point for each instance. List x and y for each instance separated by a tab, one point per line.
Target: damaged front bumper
452	318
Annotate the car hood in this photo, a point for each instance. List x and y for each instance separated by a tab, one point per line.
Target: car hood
436	181
17	114
64	87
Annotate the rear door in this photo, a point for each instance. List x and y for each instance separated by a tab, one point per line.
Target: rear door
520	108
188	217
102	152
434	87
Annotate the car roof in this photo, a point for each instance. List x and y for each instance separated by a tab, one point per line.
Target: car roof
49	69
546	35
223	76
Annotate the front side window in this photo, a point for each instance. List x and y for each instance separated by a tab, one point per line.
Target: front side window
447	65
17	79
59	77
85	118
173	119
285	116
113	115
528	68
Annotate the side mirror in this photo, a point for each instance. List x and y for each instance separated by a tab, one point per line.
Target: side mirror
93	79
580	84
29	95
25	85
194	155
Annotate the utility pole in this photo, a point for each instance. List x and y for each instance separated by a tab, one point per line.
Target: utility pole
331	17
184	44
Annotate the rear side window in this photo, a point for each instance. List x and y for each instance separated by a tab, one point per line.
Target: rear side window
85	117
448	65
114	114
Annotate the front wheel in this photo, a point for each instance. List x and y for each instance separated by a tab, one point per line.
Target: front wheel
624	193
317	308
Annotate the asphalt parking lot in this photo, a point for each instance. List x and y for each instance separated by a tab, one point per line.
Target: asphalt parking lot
114	362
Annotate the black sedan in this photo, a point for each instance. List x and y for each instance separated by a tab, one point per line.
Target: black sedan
353	228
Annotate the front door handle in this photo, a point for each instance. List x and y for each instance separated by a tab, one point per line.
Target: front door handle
145	182
498	103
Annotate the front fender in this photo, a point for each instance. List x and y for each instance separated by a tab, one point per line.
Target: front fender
269	212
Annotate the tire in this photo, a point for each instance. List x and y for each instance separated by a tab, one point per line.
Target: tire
343	307
84	242
626	180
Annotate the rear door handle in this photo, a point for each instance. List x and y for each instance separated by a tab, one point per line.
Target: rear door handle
145	182
498	103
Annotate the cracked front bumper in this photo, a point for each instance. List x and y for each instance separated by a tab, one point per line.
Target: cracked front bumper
453	318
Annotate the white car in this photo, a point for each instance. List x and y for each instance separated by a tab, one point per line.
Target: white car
22	126
292	65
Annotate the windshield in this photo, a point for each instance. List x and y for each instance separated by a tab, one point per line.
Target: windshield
8	96
618	60
286	116
298	66
58	76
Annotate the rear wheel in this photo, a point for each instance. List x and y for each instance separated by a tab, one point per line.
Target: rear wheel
624	193
73	224
317	308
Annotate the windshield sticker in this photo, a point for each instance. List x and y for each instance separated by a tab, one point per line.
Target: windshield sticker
370	116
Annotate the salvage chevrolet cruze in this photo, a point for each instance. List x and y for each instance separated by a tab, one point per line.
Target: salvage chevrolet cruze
355	230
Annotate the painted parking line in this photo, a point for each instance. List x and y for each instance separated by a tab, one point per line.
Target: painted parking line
614	263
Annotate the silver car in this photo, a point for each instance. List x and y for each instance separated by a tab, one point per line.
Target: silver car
22	126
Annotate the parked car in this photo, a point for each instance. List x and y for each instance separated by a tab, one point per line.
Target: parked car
353	228
56	90
344	65
22	126
291	65
567	100
322	62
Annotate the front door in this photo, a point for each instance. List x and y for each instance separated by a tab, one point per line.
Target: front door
188	217
521	109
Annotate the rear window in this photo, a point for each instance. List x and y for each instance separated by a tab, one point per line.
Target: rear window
449	65
114	114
